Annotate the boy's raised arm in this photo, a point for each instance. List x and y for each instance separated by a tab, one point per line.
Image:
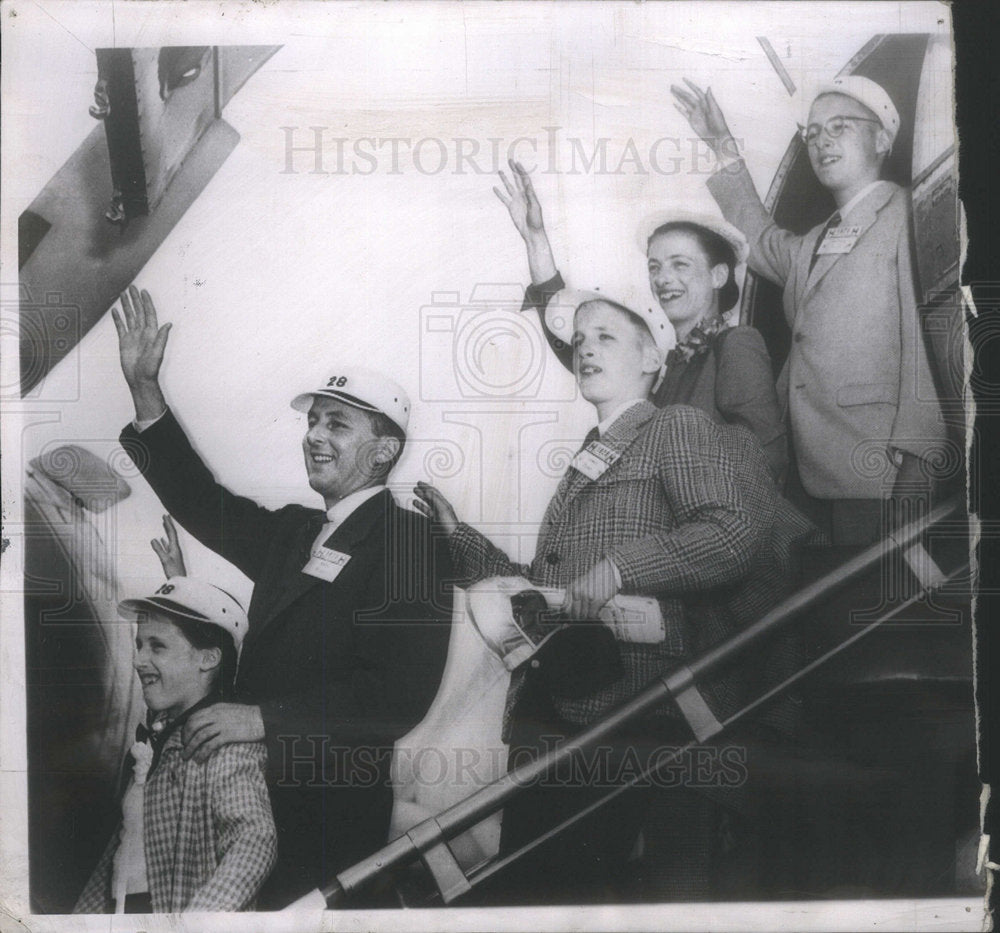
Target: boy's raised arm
705	117
733	189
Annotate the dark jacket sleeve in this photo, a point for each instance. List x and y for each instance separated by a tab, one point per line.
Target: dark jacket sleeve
537	297
233	526
745	393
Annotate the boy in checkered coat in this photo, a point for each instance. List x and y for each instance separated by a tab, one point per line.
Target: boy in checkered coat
193	836
658	502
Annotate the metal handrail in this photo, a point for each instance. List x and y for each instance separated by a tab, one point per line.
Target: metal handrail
432	834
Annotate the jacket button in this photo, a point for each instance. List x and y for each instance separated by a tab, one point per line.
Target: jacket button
552	558
535	664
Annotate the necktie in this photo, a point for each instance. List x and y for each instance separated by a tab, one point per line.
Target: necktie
310	531
154	737
830	224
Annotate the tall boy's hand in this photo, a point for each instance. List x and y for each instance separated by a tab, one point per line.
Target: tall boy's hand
220	724
704	115
141	344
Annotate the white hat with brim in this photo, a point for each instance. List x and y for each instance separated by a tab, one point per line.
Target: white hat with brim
716	225
561	310
364	389
871	95
194	599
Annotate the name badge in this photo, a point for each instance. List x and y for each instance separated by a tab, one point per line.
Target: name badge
594	460
325	563
839	240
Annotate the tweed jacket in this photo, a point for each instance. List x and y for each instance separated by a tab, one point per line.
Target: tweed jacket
209	836
340	669
688	513
732	380
857	379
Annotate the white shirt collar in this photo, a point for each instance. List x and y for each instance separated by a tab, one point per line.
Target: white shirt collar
853	203
338	513
603	426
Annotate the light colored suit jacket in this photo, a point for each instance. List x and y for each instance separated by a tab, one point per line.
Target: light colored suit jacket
857	379
688	513
209	836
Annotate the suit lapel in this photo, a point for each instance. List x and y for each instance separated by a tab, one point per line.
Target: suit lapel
618	437
294	583
863	216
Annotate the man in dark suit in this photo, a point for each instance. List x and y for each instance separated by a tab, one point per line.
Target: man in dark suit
349	620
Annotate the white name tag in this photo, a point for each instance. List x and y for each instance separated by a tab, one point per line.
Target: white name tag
594	460
325	563
839	240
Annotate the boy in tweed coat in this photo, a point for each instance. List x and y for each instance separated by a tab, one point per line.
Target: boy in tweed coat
194	836
666	504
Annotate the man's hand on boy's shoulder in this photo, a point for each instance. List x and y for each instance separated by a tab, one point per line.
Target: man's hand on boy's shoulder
220	724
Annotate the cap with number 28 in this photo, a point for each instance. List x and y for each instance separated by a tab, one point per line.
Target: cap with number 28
365	389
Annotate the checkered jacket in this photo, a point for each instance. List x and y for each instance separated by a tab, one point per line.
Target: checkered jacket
209	835
689	514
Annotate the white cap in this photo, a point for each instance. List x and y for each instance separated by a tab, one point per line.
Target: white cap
872	95
191	598
560	310
736	240
364	389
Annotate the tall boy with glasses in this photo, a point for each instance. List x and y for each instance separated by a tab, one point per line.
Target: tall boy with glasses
864	414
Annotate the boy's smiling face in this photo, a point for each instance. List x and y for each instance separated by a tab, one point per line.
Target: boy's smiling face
853	159
174	674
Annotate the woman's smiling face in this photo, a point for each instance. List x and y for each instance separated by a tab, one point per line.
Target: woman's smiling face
683	280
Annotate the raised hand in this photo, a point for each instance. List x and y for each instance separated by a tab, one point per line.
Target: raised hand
168	549
521	201
431	503
702	113
141	344
522	204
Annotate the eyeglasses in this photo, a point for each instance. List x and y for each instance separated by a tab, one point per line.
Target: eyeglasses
834	127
